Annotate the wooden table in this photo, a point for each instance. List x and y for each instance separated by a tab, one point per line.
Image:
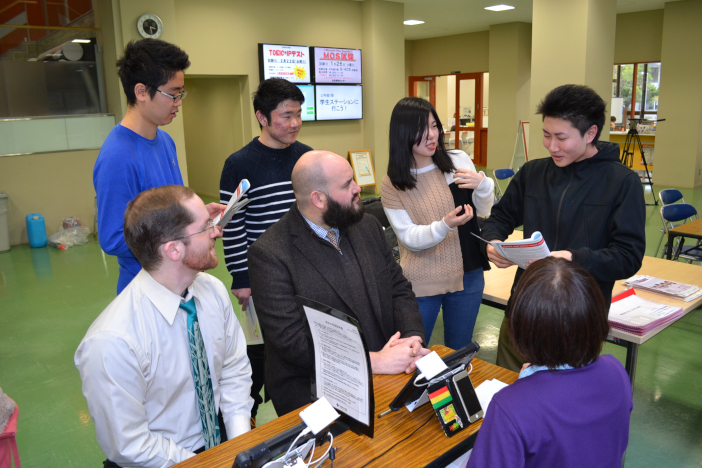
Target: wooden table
498	284
354	450
693	229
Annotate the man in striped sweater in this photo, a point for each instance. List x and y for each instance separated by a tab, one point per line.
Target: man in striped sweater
267	162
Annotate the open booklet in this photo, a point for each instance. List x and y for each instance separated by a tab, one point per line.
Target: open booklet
235	204
522	251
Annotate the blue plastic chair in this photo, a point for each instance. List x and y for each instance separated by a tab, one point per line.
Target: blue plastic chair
501	174
675	213
668	197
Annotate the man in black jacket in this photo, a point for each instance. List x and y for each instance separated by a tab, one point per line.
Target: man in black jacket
327	250
587	205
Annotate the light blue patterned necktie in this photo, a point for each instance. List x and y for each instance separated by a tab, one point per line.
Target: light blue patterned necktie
201	375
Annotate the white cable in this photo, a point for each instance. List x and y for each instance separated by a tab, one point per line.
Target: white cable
420	376
331	442
471	368
304	432
309	462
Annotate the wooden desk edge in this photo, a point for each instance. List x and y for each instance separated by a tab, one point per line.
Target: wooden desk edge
361	446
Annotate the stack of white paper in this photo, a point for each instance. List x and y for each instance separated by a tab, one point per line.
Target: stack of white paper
635	315
486	391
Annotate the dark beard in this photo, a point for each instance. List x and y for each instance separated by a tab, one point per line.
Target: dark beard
342	217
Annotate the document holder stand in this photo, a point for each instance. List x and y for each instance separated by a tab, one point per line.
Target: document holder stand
410	392
325	350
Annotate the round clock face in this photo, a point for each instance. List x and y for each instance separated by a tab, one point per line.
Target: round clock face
150	26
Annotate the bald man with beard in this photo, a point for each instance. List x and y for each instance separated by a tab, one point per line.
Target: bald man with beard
326	249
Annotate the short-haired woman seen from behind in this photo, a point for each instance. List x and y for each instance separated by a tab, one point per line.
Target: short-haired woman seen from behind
571	406
430	197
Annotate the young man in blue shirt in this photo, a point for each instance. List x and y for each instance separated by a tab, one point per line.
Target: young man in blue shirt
136	155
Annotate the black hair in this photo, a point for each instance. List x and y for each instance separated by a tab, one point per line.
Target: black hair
409	121
580	105
271	93
558	315
151	62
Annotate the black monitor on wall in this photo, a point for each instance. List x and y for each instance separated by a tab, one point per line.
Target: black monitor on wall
337	66
308	107
289	62
339	102
330	78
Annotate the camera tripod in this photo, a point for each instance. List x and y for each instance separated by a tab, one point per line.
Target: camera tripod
630	144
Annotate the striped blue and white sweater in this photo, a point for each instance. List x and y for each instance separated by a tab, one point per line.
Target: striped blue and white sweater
268	170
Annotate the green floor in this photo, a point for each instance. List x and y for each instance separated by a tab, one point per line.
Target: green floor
48	298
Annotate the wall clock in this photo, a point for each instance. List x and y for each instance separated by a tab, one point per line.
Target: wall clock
150	26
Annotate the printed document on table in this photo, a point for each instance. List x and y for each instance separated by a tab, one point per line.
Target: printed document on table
663	286
637	312
340	364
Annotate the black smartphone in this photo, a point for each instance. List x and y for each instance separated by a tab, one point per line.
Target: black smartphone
466	393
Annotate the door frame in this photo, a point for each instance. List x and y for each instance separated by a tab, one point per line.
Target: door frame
478	154
431	79
479	133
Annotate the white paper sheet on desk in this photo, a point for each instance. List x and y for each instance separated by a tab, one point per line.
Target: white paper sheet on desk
486	391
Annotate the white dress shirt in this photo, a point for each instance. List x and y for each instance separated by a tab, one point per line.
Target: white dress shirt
416	237
137	374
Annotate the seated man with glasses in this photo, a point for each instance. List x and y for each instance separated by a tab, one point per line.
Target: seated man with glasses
168	354
136	155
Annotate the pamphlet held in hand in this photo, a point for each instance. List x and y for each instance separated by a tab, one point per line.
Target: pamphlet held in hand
522	251
235	204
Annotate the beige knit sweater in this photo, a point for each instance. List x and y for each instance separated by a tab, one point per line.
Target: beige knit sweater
438	269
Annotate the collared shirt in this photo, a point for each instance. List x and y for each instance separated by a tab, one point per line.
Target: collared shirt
322	233
533	369
137	374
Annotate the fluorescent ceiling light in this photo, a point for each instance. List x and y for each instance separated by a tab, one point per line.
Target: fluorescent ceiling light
413	22
81	41
500	7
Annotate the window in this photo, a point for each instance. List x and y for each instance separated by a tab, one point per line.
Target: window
638	83
49	59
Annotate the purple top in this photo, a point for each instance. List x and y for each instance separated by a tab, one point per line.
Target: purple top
574	418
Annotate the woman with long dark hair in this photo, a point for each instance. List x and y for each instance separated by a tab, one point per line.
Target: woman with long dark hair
431	197
570	406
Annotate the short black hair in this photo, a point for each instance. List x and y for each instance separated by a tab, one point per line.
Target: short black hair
408	122
580	105
151	62
271	93
154	217
558	315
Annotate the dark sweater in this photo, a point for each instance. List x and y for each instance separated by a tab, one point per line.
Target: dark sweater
593	208
268	171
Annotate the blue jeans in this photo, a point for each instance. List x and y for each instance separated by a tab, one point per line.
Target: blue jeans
460	310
